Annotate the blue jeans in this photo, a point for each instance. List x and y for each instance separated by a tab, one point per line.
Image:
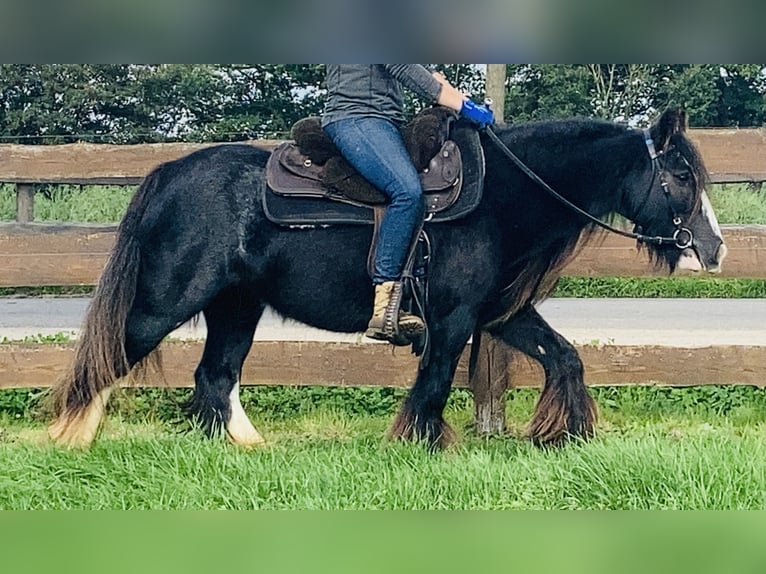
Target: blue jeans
374	147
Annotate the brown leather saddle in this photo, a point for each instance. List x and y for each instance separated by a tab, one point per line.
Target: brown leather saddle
290	172
310	183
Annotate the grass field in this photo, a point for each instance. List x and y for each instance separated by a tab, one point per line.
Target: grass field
656	449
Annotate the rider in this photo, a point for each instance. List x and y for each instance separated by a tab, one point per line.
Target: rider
362	116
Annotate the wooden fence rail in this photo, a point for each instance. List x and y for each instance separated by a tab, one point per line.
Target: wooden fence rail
323	363
40	254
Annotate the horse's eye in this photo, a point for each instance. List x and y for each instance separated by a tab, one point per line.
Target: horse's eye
683	177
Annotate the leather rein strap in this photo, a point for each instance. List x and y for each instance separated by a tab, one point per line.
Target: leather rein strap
682	237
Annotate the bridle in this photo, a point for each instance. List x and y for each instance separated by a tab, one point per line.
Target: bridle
682	237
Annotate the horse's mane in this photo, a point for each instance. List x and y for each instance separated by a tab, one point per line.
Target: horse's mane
539	275
552	130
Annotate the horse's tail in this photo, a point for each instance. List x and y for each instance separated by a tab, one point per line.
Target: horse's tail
100	357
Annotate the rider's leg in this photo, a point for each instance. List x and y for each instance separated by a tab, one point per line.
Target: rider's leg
374	147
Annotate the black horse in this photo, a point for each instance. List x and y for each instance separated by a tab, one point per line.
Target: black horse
195	239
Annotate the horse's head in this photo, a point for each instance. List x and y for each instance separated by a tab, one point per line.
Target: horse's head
677	204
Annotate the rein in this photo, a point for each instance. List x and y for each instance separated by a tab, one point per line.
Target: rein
682	238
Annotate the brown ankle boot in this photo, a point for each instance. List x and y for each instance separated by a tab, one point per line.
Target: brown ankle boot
388	322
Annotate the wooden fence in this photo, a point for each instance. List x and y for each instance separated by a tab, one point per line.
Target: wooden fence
37	254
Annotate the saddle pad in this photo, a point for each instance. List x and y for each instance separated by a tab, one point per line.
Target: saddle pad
313	211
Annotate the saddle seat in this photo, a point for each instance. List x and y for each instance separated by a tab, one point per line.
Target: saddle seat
311	166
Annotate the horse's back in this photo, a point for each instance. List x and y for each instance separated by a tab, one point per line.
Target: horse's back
218	161
223	177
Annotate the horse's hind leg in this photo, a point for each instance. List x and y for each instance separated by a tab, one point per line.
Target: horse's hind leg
565	408
231	320
83	396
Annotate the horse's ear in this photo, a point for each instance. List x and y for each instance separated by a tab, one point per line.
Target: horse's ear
672	121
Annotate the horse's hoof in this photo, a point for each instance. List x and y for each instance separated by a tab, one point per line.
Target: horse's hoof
70	433
249	443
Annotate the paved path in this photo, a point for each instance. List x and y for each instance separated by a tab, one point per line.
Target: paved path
671	322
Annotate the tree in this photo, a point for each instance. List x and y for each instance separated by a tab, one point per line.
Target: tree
131	103
547	91
712	94
620	91
496	88
266	100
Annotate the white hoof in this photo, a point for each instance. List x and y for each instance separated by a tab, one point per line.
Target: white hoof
240	430
78	430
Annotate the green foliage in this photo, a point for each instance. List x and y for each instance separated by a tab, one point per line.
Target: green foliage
85	204
288	403
137	103
277	403
547	91
468	78
72	203
26	404
7	202
291	401
713	94
743	405
144	103
692	86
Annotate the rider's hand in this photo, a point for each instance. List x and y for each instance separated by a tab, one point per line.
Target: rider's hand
477	113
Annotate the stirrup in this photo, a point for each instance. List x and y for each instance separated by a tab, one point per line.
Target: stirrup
397	327
402	335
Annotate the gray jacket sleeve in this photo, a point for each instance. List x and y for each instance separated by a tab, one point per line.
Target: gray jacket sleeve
417	78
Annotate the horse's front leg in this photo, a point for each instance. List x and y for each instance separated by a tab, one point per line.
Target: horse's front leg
421	416
565	408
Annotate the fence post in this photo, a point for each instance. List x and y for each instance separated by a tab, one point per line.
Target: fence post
496	89
25	202
489	380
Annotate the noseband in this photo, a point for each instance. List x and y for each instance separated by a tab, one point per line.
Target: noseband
682	237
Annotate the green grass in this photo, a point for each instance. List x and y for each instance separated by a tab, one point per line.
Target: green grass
72	203
739	203
674	287
656	449
334	463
